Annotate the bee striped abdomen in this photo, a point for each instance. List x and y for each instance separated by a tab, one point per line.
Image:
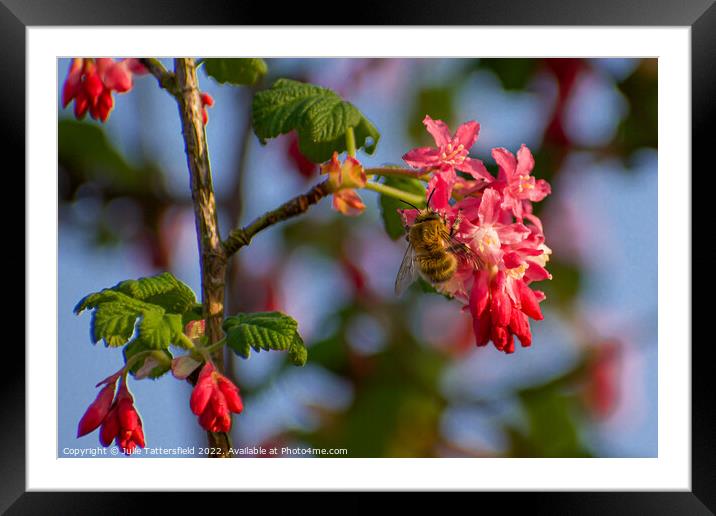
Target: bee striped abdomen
437	266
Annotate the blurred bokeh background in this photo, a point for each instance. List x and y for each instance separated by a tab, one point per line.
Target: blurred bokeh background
385	377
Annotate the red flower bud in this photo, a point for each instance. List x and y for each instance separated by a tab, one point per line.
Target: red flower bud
206	101
97	411
213	399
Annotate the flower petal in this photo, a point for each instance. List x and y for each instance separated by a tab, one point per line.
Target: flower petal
200	396
525	161
520	326
231	394
115	76
500	306
479	295
476	169
489	206
467	133
528	301
333	168
422	157
512	233
536	272
438	129
408	216
97	411
506	162
348	202
353	175
439	191
540	191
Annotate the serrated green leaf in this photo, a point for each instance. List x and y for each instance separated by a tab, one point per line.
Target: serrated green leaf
163	290
319	116
237	71
265	331
297	352
114	317
114	323
137	346
389	206
158	330
159	303
109	295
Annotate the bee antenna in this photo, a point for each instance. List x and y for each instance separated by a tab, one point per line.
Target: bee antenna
430	196
409	204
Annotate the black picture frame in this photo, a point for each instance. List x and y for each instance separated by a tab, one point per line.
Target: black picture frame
700	15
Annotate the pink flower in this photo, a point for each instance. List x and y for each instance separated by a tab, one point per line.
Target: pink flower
90	83
342	179
450	154
213	399
515	181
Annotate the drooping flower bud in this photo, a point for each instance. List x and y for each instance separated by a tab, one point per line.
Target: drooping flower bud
97	410
206	101
122	423
213	399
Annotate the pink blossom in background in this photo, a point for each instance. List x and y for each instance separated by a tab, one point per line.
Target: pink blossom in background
90	83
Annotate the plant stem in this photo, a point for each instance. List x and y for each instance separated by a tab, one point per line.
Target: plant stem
417	200
396	171
351	142
211	252
241	237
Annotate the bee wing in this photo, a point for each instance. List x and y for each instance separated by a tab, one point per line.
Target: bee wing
407	272
463	251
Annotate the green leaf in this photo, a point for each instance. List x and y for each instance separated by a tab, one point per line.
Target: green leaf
114	323
84	146
159	303
163	290
389	206
320	117
267	331
163	364
157	330
114	317
237	71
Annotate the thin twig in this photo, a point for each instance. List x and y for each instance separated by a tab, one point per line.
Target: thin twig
241	237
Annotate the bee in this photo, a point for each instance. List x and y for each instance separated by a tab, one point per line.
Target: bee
433	252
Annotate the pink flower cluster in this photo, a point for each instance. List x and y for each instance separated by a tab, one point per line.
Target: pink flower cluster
90	83
494	218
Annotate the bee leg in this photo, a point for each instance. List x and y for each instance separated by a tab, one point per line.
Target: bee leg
456	223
